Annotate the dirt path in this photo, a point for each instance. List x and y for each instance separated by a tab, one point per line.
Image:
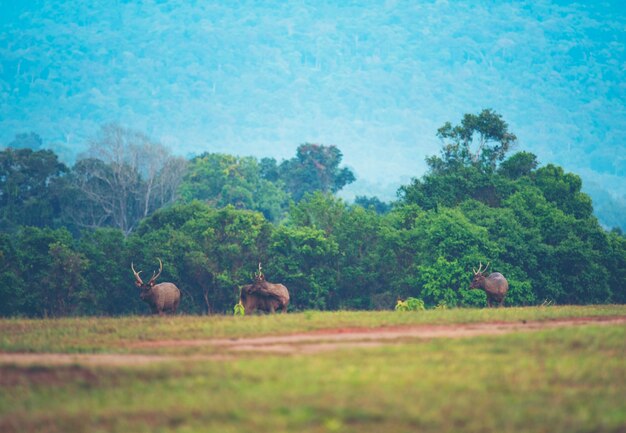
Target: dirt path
301	343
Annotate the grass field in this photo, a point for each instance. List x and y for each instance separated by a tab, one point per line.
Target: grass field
565	379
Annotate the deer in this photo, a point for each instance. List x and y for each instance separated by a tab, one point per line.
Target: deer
495	285
163	297
264	296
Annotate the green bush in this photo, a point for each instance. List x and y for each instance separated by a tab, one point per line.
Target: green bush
410	304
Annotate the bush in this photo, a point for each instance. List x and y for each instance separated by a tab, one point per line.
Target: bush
411	304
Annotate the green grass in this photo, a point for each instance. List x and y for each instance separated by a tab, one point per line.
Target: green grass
556	380
109	334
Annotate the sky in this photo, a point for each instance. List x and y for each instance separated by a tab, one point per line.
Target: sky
374	78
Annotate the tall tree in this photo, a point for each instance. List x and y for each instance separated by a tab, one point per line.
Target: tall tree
480	139
466	164
123	177
314	168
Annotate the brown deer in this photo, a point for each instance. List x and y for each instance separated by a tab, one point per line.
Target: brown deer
163	297
495	285
264	296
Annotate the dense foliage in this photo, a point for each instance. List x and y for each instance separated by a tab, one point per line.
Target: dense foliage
227	214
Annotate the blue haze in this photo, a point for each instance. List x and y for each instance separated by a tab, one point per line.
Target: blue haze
375	78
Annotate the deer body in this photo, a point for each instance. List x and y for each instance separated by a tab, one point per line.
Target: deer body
162	298
264	296
495	286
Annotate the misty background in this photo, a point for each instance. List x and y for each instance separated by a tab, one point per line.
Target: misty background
374	78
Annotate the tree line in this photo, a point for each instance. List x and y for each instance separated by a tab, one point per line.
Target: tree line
69	234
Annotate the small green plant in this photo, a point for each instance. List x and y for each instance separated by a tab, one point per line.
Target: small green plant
402	305
239	309
442	306
410	304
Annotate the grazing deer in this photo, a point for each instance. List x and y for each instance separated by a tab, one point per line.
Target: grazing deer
162	298
495	285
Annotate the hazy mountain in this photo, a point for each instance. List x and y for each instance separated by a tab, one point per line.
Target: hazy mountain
375	78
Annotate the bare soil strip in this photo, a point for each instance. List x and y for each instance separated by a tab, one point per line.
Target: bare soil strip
301	343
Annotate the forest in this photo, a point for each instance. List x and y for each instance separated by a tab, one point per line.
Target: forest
68	235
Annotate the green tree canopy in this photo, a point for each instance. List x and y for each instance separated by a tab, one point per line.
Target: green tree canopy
31	188
480	139
314	168
222	180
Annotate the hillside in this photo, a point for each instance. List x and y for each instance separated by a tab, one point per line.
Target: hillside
374	78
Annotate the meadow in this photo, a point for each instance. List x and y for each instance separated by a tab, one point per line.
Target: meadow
566	378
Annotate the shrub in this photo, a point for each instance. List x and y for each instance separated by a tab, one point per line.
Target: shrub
411	304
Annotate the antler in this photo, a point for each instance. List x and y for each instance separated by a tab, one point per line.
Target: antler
155	275
259	276
136	273
480	268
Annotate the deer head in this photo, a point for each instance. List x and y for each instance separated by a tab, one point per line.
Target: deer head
258	276
479	278
146	286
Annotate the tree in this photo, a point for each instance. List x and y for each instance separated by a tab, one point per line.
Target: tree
372	203
222	180
480	140
65	279
13	288
314	168
123	177
52	271
360	267
31	187
302	259
318	210
440	282
269	169
616	265
197	267
108	285
466	164
564	190
518	165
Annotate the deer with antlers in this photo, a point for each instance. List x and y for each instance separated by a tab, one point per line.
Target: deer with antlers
495	285
264	296
163	297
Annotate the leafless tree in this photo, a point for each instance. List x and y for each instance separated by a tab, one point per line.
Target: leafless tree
123	177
